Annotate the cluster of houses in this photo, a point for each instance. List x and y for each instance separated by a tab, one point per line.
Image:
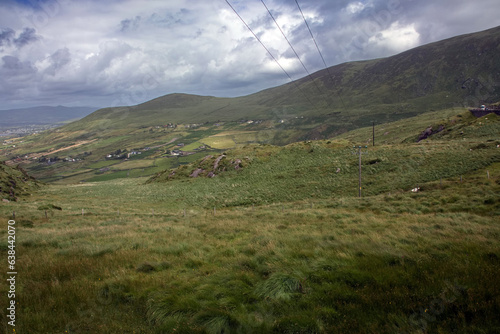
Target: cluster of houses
177	152
119	154
25	130
167	126
8	142
192	126
250	121
53	160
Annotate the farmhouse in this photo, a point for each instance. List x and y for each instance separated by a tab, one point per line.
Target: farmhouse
133	153
176	152
485	110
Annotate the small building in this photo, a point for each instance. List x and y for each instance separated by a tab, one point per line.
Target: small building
176	152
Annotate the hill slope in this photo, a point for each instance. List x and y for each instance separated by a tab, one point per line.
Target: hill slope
459	71
452	73
14	182
264	174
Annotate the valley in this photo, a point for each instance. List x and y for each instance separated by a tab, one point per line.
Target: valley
198	214
280	244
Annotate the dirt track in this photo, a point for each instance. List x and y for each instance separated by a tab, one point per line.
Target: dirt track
72	146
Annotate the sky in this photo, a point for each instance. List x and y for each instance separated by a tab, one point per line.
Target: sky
125	52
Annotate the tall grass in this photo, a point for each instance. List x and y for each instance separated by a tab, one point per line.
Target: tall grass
392	263
322	169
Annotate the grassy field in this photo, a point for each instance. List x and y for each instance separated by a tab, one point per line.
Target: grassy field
144	260
322	169
280	245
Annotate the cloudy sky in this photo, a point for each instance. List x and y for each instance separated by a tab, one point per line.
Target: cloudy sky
124	52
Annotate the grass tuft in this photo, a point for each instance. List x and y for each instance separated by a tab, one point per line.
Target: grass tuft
280	287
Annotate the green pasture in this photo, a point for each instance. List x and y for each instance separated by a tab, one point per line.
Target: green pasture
123	256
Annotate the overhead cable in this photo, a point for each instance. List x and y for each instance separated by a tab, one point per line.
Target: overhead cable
317	47
258	39
269	52
291	46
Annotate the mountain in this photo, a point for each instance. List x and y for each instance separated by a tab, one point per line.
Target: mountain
42	115
456	72
446	76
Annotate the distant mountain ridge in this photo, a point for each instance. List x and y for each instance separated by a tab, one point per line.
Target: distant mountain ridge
457	72
42	115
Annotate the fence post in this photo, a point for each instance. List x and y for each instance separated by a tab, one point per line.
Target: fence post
488	173
14	215
215	211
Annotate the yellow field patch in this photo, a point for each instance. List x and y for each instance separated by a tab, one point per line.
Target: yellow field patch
232	133
219	142
230	139
132	164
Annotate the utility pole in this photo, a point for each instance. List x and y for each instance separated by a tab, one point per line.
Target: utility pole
359	153
373	124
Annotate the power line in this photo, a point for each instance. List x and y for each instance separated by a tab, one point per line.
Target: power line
317	47
258	39
314	39
291	46
269	52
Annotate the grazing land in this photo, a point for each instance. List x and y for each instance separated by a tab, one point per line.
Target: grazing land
281	244
144	259
450	75
197	214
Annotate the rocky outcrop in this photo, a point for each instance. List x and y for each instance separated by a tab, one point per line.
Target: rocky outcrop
209	166
429	132
15	182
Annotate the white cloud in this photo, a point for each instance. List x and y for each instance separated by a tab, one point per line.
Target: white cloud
355	7
396	38
90	52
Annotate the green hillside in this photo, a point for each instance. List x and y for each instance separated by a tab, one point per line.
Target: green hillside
14	182
124	256
456	72
263	174
443	76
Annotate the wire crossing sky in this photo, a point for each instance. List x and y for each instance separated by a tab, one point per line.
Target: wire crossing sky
291	46
321	55
272	56
125	52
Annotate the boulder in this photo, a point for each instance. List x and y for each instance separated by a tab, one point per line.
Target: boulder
197	172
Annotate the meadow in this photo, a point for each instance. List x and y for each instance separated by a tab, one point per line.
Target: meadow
281	245
144	259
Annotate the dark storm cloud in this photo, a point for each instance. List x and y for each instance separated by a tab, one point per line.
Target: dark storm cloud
26	37
123	52
130	24
60	58
13	66
6	36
